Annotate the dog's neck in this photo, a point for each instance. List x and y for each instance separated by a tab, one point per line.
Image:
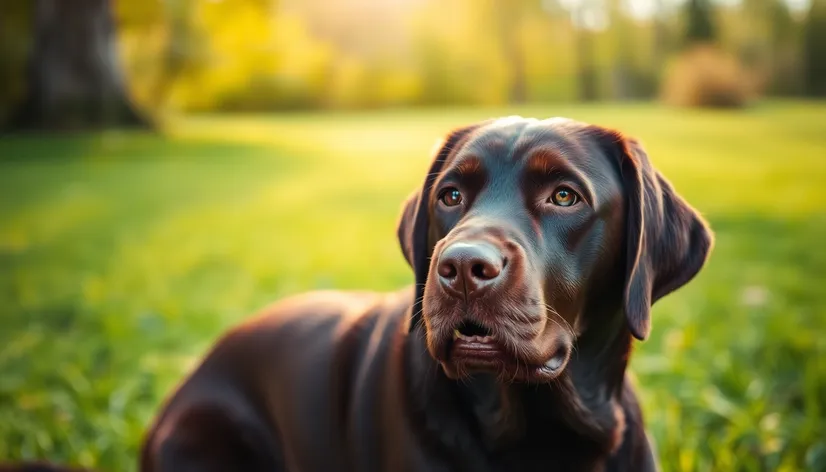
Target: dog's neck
582	402
587	394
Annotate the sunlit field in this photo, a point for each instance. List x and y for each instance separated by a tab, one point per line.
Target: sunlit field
124	256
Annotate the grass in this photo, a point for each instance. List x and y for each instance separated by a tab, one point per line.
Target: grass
123	256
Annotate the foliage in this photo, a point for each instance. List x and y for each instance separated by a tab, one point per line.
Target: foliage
242	55
699	19
815	45
705	76
262	55
15	40
124	256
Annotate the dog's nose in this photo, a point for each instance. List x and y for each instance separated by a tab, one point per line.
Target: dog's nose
468	268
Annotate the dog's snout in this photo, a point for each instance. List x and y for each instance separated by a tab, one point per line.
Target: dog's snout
465	269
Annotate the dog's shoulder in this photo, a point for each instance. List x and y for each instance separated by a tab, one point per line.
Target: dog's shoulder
300	363
321	317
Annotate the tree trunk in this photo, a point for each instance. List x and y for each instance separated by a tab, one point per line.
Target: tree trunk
74	79
662	38
587	73
701	26
623	80
814	45
509	14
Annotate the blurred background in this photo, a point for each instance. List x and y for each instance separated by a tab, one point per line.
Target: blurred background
168	167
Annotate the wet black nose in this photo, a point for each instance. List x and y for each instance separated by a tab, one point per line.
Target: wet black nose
466	269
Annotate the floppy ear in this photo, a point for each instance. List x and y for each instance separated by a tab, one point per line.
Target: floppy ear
414	223
668	242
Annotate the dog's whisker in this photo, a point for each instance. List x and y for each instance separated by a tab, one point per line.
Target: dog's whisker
567	326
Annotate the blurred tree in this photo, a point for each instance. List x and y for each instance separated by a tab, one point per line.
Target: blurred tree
768	44
623	52
814	50
74	78
700	22
661	37
784	51
585	16
176	56
222	55
15	22
509	14
587	70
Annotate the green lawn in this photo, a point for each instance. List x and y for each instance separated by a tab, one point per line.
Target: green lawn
123	256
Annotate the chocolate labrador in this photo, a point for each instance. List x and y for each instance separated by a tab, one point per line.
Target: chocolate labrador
538	248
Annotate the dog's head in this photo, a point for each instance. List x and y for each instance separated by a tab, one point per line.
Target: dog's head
524	228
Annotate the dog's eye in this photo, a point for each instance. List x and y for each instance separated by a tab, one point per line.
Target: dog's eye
451	197
565	197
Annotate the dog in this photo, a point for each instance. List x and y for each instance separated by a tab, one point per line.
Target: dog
538	248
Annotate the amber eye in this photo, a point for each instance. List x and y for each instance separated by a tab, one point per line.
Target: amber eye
451	197
563	196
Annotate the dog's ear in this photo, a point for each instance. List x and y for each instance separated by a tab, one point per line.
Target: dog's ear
668	242
404	228
414	223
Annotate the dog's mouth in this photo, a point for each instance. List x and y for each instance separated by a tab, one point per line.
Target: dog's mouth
472	332
476	348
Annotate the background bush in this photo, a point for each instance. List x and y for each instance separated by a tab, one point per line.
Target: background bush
706	76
